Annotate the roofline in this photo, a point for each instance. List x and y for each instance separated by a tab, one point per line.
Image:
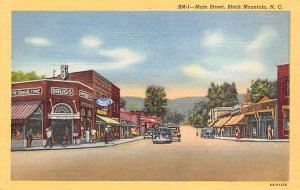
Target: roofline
70	81
282	64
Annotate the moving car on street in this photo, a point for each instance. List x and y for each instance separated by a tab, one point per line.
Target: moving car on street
175	133
162	135
149	133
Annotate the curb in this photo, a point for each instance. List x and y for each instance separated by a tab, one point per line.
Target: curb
249	140
76	147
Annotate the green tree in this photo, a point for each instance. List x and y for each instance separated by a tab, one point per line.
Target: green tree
156	101
260	88
222	96
19	76
198	116
122	103
175	117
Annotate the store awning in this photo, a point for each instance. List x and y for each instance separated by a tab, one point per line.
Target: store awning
222	122
236	120
212	123
22	110
108	120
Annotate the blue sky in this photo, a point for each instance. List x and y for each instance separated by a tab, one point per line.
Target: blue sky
182	51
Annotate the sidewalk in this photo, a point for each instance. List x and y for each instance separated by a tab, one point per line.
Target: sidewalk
80	146
252	139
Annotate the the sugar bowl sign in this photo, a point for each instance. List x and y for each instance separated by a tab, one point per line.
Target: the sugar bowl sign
26	91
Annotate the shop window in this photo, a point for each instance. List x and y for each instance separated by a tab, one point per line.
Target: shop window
62	108
98	96
82	112
17	132
89	113
286	123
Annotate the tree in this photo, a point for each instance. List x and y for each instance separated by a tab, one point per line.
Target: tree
175	117
222	96
156	101
198	116
122	103
260	88
19	76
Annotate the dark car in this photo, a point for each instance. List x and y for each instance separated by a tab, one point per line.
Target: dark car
208	132
162	135
149	133
175	132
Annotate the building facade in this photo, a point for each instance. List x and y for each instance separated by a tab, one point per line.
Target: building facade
283	94
43	103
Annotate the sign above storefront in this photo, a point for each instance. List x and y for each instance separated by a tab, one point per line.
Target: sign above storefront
85	95
101	112
104	102
26	91
64	73
62	91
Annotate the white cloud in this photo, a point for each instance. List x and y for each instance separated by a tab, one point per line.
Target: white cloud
90	42
37	41
195	71
213	39
266	35
121	58
245	67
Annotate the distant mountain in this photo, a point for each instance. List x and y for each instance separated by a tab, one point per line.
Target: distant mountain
182	105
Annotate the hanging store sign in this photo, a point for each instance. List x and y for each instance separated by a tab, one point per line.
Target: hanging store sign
104	102
62	91
101	112
26	91
85	95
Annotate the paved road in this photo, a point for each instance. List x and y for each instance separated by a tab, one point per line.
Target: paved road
192	159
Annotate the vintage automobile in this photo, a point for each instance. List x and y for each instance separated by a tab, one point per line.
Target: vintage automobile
162	135
207	132
175	132
149	133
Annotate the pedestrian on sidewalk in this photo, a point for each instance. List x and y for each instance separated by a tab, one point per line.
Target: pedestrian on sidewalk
106	133
49	135
94	135
237	133
29	137
269	130
66	135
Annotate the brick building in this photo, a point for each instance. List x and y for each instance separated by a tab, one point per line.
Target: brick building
39	104
102	88
283	100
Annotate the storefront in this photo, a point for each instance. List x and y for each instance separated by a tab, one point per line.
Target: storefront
235	121
66	106
102	122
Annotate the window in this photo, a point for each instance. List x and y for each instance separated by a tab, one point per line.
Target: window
89	113
62	108
82	112
98	96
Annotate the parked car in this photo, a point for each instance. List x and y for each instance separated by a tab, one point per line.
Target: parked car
149	133
208	132
175	133
162	135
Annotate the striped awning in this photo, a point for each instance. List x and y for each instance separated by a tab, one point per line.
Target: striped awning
108	120
236	120
222	122
22	110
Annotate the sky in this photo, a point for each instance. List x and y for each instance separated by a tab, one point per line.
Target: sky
181	51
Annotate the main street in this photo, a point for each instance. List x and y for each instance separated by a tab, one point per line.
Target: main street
192	159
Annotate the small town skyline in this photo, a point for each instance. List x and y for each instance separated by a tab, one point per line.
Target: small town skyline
181	51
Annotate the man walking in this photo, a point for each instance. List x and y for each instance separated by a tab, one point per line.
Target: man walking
49	137
29	137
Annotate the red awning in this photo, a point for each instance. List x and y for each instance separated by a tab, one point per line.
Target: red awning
22	110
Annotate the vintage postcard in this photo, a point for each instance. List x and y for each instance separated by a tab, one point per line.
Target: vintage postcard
152	95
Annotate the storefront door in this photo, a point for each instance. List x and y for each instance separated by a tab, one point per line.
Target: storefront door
58	126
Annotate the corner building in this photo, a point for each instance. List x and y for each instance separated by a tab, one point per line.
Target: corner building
39	104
